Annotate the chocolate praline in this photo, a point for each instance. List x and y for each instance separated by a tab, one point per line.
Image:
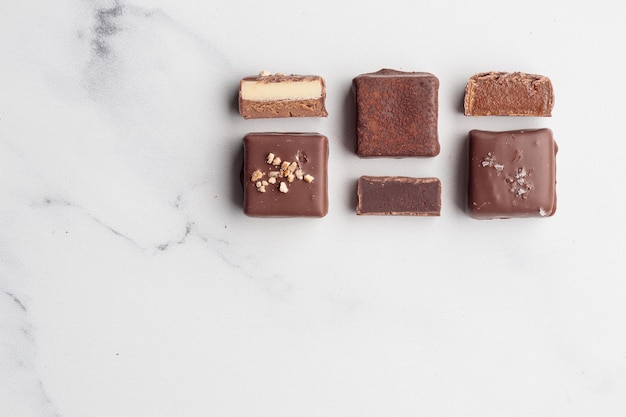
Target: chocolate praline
396	114
273	189
512	174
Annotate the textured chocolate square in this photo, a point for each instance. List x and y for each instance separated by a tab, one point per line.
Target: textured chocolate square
508	94
396	113
398	196
285	174
512	174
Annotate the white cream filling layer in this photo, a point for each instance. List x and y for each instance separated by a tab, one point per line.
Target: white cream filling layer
289	90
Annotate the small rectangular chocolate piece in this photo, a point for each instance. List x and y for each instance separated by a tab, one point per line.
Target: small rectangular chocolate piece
512	174
278	95
285	175
396	113
508	94
398	196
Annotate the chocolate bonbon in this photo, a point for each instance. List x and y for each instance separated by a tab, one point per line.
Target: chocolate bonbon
508	94
398	196
512	174
278	95
285	174
396	113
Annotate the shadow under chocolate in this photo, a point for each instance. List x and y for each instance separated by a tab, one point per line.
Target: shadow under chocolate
234	103
236	181
348	121
461	164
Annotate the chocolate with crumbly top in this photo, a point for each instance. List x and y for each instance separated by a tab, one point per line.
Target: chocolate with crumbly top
396	114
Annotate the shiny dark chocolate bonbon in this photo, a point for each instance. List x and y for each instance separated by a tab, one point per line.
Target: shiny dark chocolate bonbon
512	174
285	174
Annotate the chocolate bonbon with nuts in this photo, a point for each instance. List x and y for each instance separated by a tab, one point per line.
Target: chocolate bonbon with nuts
285	174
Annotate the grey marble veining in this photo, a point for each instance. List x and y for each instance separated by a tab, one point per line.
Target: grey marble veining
131	283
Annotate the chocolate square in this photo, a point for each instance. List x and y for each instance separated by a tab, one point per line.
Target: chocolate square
285	174
512	174
396	113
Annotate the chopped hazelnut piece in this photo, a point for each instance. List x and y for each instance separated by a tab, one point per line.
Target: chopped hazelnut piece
290	171
257	175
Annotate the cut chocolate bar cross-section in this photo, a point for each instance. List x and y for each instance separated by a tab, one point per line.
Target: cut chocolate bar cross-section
278	95
398	196
508	94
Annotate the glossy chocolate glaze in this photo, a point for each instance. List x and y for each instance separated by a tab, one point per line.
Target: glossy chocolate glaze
303	199
512	174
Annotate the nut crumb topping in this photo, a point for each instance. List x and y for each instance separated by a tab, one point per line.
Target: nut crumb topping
256	175
286	170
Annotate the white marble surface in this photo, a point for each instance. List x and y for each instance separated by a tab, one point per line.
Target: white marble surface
132	285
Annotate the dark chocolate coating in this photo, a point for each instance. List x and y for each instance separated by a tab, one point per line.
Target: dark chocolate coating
399	196
303	199
512	174
396	114
508	94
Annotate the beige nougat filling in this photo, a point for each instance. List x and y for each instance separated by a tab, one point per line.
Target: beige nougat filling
288	90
